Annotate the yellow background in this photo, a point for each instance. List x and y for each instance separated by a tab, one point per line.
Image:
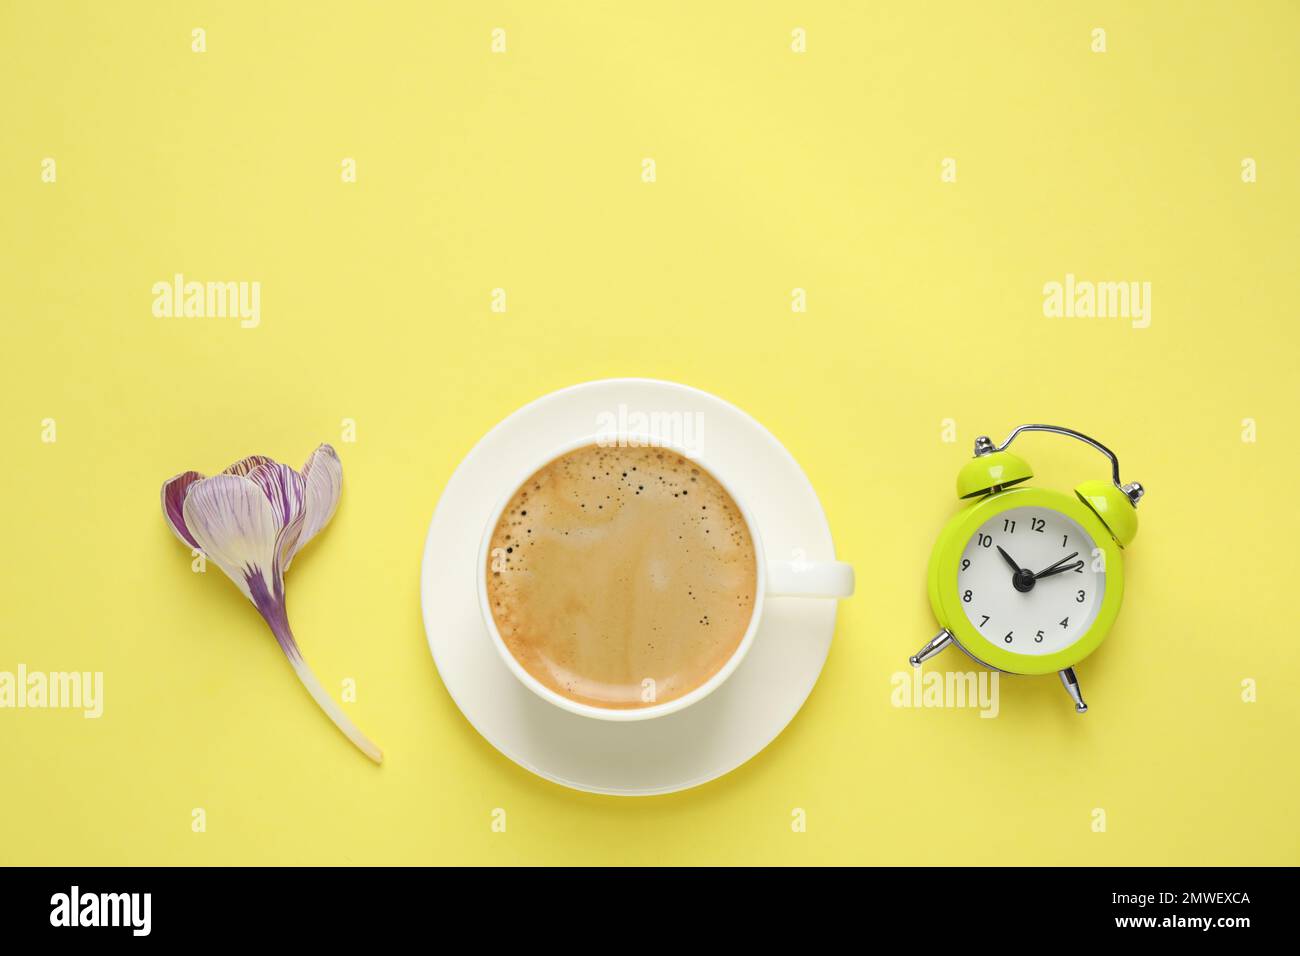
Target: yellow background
522	171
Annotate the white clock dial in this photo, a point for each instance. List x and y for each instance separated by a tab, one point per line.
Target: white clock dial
1023	613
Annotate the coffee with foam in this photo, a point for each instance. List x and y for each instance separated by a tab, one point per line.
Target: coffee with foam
622	577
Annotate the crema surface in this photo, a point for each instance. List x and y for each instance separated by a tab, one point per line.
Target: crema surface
622	577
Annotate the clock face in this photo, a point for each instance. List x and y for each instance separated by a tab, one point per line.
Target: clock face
1031	580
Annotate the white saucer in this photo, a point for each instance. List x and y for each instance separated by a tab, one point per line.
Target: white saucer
635	758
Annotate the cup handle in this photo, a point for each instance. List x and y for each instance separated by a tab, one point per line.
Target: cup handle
822	579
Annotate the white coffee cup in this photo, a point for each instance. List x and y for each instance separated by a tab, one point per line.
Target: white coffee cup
798	578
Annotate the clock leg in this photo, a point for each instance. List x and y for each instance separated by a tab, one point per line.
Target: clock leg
932	647
1072	688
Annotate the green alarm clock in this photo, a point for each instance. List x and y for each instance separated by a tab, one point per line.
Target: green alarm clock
1030	580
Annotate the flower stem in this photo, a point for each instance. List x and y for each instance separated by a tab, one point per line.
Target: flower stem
335	713
273	610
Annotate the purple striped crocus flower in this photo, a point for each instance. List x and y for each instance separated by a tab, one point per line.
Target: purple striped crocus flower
250	521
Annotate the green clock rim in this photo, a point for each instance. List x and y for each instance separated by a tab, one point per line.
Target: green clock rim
947	557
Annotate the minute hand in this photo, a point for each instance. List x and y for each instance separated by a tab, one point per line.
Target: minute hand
1060	566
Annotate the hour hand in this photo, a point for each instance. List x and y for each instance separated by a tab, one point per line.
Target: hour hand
1009	560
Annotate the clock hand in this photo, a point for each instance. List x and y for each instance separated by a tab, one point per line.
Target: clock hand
1022	579
1059	566
1011	561
1069	567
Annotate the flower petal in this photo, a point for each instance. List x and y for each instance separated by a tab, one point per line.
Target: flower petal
245	465
173	500
283	487
323	476
233	522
